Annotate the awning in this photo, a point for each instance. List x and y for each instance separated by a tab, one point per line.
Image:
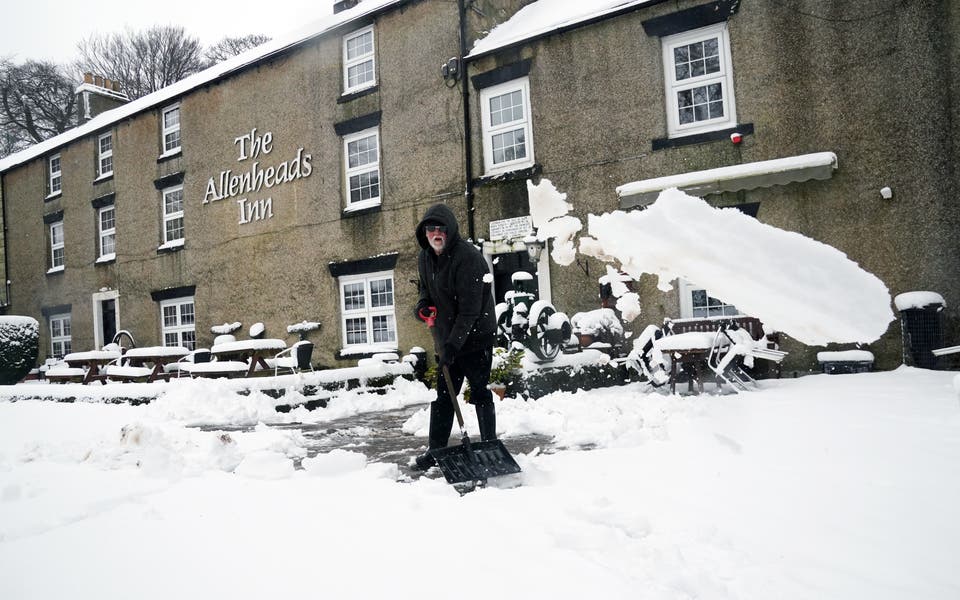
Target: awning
819	165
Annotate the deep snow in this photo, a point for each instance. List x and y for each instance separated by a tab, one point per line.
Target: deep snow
820	487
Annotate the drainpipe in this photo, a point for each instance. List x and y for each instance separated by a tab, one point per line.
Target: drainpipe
467	136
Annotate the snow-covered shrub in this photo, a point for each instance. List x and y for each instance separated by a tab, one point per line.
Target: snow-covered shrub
19	346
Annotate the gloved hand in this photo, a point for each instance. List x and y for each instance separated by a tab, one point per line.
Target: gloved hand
447	355
422	305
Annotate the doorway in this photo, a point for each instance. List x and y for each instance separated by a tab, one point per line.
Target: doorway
106	317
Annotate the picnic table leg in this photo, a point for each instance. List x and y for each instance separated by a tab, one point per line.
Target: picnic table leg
673	375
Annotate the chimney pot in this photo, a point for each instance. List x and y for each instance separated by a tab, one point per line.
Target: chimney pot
98	80
88	77
108	83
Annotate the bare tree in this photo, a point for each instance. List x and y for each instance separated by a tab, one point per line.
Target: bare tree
142	61
37	101
231	46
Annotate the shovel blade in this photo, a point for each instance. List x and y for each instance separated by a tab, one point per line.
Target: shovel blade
476	461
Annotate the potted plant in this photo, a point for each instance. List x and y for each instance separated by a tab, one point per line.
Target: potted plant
505	371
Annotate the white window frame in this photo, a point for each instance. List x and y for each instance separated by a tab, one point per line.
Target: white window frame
55	177
104	155
724	77
361	170
96	301
687	308
65	339
349	63
57	245
368	312
179	328
490	130
170	130
167	217
105	233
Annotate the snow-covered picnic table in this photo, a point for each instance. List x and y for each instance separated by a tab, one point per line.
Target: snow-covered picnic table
156	356
253	352
89	361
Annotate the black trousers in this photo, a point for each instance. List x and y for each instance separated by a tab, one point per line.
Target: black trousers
475	368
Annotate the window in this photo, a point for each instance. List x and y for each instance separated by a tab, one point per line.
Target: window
507	132
105	160
60	344
108	231
367	306
358	61
178	323
55	178
173	216
699	81
362	156
171	129
56	246
696	302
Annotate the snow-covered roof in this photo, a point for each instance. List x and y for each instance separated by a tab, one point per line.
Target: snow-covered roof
544	17
819	165
218	71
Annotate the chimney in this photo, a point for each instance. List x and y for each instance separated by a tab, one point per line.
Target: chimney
343	5
97	94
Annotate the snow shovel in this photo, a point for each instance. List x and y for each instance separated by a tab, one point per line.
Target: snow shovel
470	461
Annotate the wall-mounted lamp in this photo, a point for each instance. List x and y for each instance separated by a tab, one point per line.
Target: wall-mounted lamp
886	193
534	248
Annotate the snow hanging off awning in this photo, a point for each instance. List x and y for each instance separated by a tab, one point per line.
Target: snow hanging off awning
766	173
544	16
794	284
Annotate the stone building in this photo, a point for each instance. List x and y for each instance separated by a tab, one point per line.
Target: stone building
285	184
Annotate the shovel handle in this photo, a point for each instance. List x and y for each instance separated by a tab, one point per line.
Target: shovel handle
429	316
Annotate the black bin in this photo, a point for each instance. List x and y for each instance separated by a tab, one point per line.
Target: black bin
922	333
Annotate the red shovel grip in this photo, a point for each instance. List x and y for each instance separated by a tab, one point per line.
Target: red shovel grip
429	315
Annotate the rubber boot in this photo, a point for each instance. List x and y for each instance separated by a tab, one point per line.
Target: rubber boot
440	425
487	419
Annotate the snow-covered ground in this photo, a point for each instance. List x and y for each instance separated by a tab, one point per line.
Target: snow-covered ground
821	487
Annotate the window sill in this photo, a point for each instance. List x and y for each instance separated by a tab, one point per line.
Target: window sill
173	246
363	351
53	196
361	208
169	154
701	138
106	259
55	270
103	178
521	172
357	93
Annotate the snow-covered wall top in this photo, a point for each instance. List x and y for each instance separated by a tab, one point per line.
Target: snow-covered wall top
254	55
909	300
544	16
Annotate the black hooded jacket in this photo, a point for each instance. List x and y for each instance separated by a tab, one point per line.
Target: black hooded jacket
454	283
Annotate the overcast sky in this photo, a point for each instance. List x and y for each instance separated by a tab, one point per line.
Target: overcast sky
50	30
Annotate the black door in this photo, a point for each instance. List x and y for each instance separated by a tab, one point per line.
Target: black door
108	309
505	265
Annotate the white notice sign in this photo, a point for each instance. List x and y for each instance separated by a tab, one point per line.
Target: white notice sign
510	229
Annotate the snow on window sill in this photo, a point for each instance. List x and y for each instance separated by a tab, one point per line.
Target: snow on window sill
56	194
171	245
107	175
106	258
359	88
363	204
55	270
508	168
170	153
357	349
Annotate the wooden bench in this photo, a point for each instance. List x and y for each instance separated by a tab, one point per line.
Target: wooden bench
751	325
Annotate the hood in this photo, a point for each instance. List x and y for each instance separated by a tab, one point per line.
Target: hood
442	214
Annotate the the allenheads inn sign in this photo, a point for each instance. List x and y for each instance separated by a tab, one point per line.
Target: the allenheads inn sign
228	184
